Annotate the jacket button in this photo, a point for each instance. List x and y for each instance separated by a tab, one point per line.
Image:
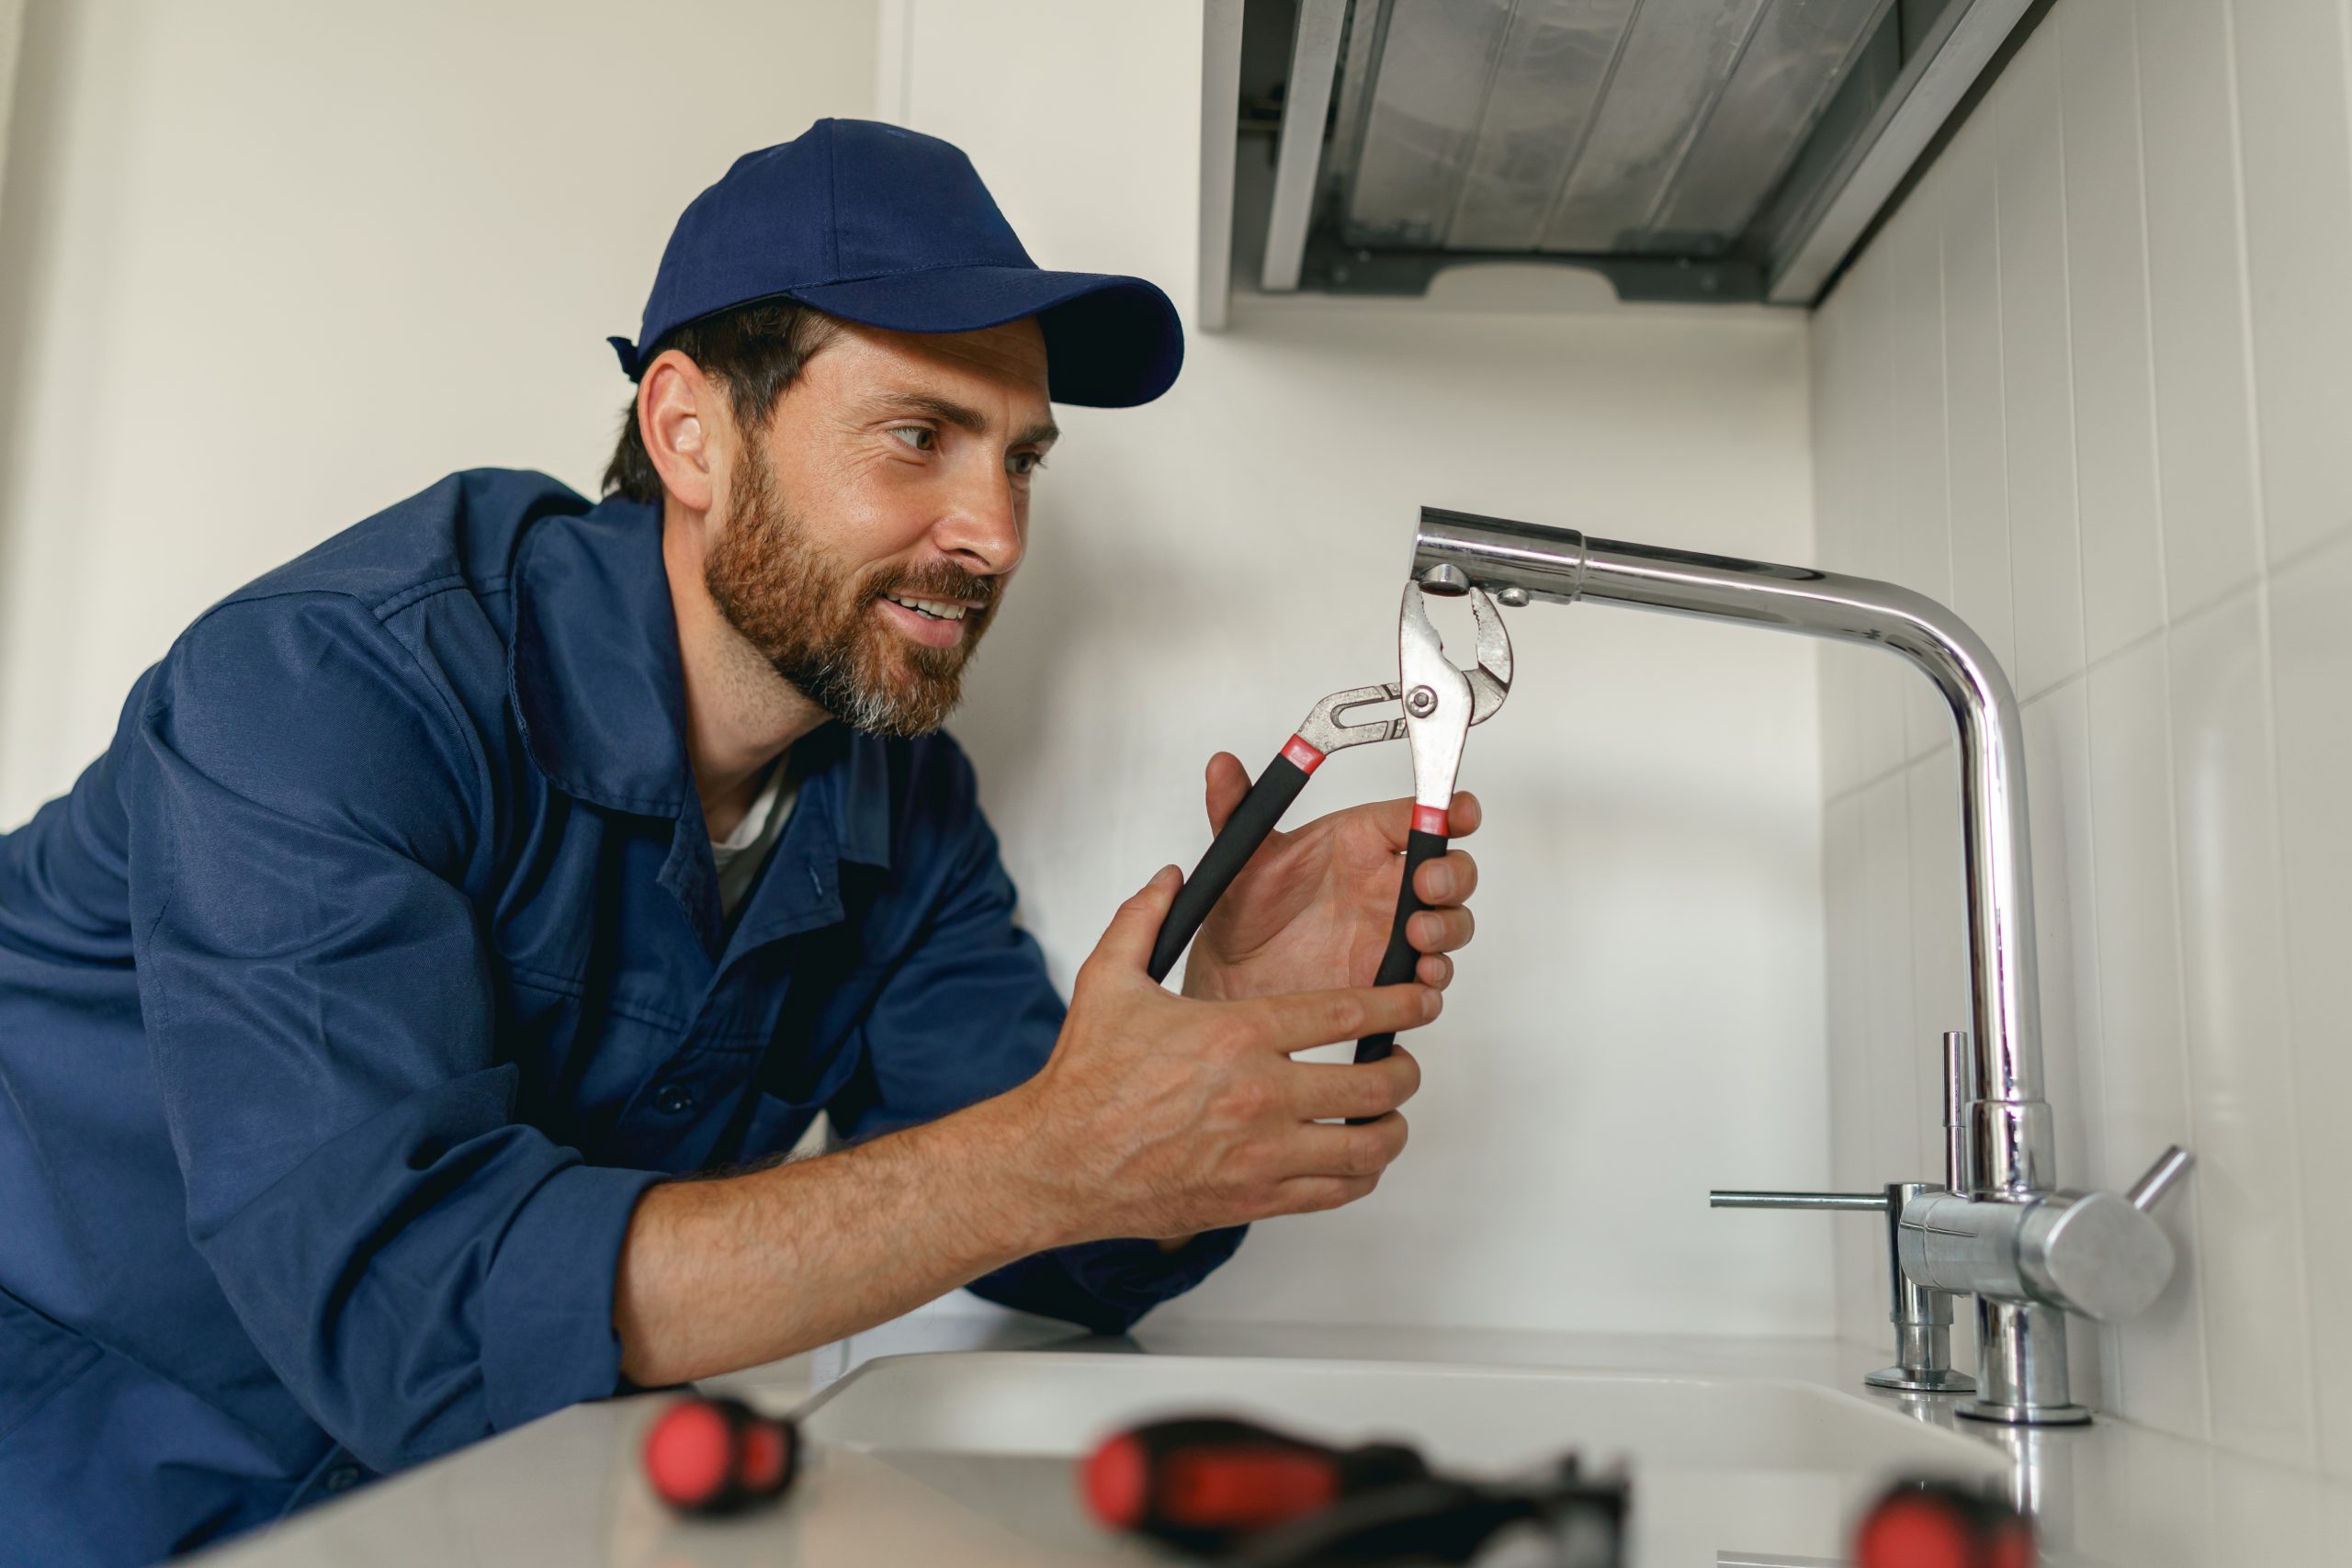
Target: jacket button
340	1478
674	1100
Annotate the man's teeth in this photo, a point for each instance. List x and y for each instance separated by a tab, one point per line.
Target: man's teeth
937	609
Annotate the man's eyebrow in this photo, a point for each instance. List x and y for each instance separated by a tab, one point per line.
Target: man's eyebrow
964	418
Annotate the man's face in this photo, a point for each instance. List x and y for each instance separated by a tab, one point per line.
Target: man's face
868	535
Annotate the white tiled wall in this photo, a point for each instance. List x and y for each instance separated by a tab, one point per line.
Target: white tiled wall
2091	384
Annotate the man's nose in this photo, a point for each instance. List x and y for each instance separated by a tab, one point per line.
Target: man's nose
981	527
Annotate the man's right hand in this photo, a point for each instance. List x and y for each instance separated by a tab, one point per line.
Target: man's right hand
1162	1116
1156	1116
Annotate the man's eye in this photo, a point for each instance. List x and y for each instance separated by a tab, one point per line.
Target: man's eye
1025	463
919	437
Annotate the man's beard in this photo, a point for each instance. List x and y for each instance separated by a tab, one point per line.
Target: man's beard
815	622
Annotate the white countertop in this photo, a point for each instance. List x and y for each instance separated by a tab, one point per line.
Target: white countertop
567	1489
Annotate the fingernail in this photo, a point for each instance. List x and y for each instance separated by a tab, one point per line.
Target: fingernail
1432	1002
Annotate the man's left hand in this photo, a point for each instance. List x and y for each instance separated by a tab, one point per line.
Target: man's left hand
1312	909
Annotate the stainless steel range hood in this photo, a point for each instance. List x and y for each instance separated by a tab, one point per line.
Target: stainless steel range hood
1730	150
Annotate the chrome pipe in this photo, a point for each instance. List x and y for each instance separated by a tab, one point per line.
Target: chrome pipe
1960	1079
2009	1131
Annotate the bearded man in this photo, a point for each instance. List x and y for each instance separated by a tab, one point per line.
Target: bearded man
451	894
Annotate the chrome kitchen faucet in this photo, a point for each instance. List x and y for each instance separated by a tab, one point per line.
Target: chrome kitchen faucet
1997	1226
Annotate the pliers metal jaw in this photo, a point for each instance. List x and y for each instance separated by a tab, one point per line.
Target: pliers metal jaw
1324	730
1438	703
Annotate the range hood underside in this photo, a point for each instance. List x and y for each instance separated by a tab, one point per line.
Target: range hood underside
1731	149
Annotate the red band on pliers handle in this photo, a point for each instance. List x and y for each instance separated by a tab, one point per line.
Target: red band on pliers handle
1429	819
1301	754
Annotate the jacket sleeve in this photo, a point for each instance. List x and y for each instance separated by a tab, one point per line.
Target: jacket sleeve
972	1013
420	1269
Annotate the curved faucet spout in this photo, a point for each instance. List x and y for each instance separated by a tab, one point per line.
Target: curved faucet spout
2008	1124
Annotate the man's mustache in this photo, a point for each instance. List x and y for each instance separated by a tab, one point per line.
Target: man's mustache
941	582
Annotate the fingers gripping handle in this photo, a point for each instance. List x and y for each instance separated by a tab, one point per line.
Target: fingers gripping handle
1398	964
1246	829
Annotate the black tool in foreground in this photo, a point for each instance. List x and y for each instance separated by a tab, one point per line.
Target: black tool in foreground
1441	703
1247	1494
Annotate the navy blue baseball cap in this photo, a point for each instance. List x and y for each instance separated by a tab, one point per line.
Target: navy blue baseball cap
893	229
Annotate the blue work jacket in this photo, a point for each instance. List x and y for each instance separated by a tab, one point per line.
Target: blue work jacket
351	999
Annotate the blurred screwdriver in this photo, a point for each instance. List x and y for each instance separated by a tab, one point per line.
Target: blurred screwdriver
1933	1523
1202	1483
717	1456
1271	1500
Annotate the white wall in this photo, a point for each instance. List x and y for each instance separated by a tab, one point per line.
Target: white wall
266	267
12	27
1641	1016
2088	385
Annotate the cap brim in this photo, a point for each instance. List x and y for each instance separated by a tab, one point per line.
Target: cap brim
1111	342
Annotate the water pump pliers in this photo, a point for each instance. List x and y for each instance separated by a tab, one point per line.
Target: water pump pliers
1441	702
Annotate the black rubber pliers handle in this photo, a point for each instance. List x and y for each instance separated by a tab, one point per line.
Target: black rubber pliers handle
1248	827
1402	958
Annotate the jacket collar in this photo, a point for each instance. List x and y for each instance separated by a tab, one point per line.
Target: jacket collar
598	690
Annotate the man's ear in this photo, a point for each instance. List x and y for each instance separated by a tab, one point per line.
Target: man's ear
676	415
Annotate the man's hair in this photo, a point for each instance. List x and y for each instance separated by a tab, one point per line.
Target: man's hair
754	351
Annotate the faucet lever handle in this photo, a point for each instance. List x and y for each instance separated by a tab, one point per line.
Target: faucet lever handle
2160	1177
1723	1199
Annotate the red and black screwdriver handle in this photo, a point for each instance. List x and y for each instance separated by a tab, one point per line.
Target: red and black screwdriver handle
1203	1484
720	1456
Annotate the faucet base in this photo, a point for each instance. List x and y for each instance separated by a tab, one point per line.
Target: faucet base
2022	1362
1921	1380
2024	1415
